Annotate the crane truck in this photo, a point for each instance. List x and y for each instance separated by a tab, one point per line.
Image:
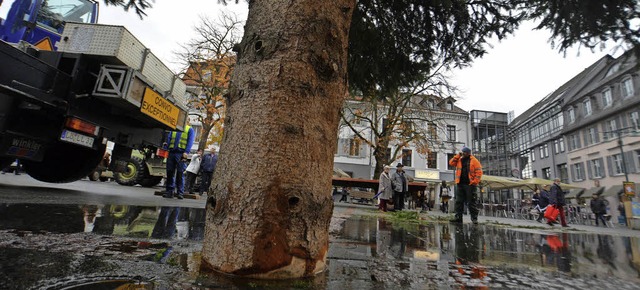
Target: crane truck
68	86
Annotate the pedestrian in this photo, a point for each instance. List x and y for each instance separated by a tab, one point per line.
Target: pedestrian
535	199
543	202
622	219
345	194
400	187
468	176
598	208
556	198
445	195
178	144
192	171
207	167
385	188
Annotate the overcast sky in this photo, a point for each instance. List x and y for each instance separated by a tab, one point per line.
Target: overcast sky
514	75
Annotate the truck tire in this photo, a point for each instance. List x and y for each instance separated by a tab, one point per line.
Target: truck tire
150	181
65	162
94	176
134	174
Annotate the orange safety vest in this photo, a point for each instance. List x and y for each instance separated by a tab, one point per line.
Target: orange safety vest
475	169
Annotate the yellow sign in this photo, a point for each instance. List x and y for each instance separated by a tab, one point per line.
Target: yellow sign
424	174
629	188
157	107
44	44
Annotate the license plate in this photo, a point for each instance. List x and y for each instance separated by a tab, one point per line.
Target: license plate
76	138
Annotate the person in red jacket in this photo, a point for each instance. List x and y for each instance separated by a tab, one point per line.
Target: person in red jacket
468	176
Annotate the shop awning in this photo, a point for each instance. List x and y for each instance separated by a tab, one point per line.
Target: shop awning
594	190
612	191
499	182
574	193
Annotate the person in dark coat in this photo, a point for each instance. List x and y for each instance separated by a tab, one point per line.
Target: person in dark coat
543	202
207	167
598	208
556	198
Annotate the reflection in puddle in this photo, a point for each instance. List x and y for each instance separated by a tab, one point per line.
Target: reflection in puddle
470	252
368	252
119	220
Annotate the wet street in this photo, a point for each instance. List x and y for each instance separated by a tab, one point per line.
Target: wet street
93	235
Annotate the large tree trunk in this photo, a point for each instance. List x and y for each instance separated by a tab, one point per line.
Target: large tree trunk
270	205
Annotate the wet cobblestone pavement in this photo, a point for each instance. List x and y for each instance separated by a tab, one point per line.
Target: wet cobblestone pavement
56	247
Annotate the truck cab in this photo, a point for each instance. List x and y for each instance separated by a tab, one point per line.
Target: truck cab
68	86
41	22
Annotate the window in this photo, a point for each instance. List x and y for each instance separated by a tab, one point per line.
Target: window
541	152
385	123
535	173
635	120
617	164
615	68
449	156
433	132
546	173
610	129
563	173
406	157
450	106
574	142
627	88
432	160
596	168
578	173
55	15
572	115
451	132
544	151
607	100
533	155
587	107
558	145
431	104
351	147
592	136
354	147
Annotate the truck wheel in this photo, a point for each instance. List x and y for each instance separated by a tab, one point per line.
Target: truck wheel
134	173
94	176
151	181
65	162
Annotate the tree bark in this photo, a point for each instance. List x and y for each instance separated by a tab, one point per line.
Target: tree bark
270	201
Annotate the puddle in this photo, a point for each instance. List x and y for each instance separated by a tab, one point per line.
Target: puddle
485	255
49	246
178	223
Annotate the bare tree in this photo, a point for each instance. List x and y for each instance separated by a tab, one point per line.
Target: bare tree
410	117
209	61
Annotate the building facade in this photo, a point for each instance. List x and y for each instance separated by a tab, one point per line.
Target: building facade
587	132
446	136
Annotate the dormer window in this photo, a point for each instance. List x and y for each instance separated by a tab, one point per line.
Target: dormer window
607	99
431	104
615	68
450	106
587	107
627	88
572	115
